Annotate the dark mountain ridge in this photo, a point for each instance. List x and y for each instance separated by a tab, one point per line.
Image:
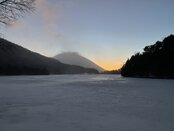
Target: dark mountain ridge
156	61
16	60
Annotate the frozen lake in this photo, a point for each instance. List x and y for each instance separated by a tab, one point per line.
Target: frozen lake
86	103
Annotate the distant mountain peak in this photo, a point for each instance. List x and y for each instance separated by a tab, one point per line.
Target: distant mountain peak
74	58
16	60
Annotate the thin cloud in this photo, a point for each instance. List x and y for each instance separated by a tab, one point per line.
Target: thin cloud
48	11
59	37
56	36
18	25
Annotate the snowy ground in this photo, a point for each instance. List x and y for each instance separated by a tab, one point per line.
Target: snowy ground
86	103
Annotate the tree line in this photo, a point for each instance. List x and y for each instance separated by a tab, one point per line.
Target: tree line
156	61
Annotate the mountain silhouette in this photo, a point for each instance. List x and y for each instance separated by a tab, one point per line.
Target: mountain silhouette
16	60
73	58
156	61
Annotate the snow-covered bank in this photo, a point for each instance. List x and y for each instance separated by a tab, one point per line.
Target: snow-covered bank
85	103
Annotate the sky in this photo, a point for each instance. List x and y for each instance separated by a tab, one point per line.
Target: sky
107	32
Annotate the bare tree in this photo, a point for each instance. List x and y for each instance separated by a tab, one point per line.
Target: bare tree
11	10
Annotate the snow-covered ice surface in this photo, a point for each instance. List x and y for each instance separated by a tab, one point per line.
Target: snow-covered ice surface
85	103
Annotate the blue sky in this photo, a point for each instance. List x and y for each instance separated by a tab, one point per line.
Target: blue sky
105	31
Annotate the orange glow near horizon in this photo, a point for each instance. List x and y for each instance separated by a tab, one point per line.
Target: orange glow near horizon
109	65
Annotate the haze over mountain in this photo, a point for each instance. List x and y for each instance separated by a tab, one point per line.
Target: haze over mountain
73	58
16	60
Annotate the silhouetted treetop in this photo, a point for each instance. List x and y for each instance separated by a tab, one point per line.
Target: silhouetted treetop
156	61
